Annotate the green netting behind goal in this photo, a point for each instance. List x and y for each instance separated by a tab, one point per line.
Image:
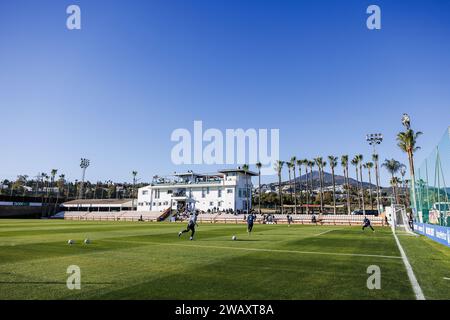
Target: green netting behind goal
432	187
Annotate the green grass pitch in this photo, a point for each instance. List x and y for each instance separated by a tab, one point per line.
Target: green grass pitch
131	260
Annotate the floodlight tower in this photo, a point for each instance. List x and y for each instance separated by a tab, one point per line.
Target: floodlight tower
83	165
375	139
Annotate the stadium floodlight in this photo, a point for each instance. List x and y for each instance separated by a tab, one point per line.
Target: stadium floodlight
375	139
83	165
406	121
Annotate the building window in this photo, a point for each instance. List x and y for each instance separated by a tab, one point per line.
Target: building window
144	192
207	190
229	190
203	192
219	193
169	191
211	203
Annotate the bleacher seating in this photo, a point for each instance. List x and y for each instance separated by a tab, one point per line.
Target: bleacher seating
109	216
305	219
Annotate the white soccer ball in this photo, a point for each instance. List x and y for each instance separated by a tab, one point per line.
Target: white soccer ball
70	242
87	241
233	237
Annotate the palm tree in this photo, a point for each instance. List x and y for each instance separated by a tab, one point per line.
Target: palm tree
333	163
344	164
45	177
355	162
245	168
293	163
407	142
289	166
311	165
61	182
404	184
53	174
369	166
394	183
305	163
322	177
360	162
133	195
299	164
278	168
393	167
320	163
259	165
377	178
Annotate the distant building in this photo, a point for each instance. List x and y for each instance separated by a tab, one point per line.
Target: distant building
224	190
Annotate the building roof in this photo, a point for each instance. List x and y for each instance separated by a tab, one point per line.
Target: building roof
250	173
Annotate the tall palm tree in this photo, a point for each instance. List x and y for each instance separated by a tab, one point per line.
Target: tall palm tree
300	162
393	167
404	184
45	177
259	165
289	166
293	163
53	173
322	177
377	178
344	164
245	167
311	165
305	163
369	165
394	184
333	163
360	162
319	163
278	168
133	195
407	142
61	182
355	162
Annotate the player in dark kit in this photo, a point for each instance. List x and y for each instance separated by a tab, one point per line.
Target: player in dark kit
250	219
366	224
191	226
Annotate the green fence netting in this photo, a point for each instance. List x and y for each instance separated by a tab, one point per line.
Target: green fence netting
432	189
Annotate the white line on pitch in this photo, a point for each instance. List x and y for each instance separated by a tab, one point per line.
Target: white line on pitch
412	278
319	234
445	278
262	249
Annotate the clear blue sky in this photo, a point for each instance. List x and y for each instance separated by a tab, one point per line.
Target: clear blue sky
114	91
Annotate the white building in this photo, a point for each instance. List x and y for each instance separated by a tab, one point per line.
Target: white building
224	190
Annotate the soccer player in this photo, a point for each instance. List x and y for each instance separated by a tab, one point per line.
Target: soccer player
191	226
250	219
366	223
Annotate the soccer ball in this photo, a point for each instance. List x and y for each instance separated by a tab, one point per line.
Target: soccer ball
70	242
87	241
233	238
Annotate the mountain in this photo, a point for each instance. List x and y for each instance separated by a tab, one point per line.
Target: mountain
328	180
